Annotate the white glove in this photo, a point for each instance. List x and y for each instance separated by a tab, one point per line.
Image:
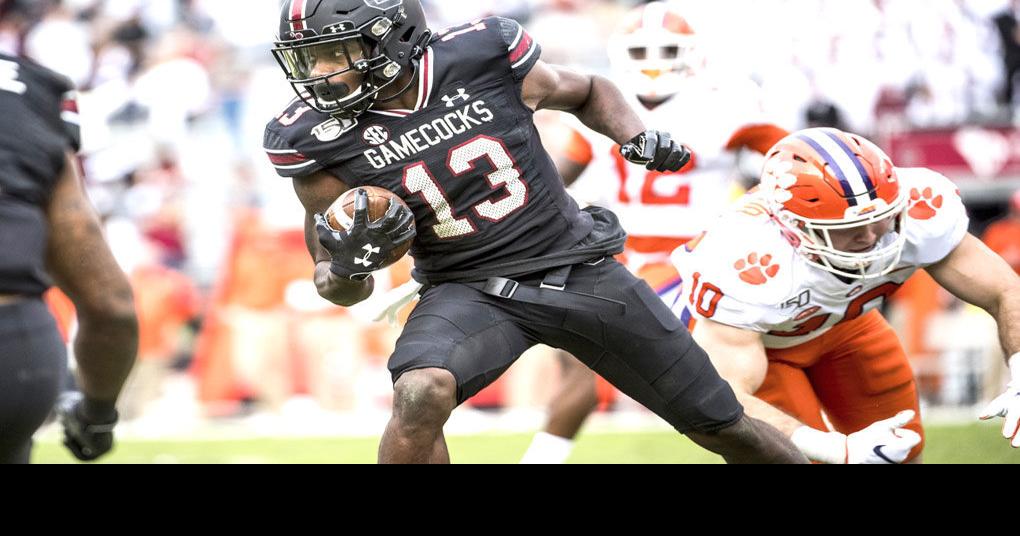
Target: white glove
395	300
1008	405
884	442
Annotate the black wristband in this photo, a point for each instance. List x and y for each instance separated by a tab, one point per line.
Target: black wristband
98	411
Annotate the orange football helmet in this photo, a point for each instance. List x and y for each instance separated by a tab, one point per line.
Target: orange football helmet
821	180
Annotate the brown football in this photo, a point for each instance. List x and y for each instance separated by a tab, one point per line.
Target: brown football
340	215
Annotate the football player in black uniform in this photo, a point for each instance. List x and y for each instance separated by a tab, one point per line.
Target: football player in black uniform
51	233
506	257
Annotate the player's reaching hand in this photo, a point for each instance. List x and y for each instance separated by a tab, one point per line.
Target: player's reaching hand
657	151
1007	405
884	442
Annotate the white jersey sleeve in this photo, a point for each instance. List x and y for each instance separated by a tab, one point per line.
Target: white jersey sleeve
737	273
936	220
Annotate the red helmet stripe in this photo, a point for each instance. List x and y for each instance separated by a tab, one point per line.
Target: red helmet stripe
297	15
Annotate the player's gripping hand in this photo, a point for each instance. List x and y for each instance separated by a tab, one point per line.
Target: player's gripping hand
1008	405
656	151
884	442
88	439
353	249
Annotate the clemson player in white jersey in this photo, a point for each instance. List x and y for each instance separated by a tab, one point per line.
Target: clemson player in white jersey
657	59
783	292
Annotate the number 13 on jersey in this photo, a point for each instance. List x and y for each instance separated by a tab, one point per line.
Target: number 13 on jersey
462	160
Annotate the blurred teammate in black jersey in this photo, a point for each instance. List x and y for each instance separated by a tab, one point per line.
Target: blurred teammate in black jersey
49	233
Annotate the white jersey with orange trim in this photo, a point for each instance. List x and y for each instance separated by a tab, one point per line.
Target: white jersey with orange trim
743	272
660	211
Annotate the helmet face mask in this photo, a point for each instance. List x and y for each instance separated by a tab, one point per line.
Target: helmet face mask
327	93
322	42
820	199
819	247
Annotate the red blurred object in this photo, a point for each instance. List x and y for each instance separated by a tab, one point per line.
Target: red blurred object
966	153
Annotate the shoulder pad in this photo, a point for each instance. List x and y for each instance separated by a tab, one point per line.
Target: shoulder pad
301	141
936	220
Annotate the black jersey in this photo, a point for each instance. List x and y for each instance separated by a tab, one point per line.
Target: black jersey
39	120
468	159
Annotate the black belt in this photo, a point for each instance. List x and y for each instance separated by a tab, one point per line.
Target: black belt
551	292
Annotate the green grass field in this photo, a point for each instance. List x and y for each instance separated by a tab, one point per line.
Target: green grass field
946	444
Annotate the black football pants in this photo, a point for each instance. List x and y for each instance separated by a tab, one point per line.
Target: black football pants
646	353
33	365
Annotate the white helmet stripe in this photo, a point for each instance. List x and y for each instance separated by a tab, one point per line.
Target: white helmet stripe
654	16
843	165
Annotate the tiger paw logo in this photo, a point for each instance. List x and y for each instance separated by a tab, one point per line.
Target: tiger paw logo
756	270
924	205
778	179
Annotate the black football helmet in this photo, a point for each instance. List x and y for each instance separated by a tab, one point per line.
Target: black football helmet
381	39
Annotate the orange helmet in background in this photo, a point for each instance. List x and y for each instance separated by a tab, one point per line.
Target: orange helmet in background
820	180
655	50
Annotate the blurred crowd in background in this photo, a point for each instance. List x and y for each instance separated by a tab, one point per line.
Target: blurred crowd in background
174	95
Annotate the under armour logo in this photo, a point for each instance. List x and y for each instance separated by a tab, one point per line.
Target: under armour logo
369	251
461	94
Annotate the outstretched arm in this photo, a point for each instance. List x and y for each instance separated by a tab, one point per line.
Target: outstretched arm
739	356
976	275
600	105
595	100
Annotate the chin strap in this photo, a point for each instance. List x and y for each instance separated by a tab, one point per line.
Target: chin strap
416	54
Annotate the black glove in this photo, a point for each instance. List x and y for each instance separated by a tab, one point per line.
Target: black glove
656	151
86	439
359	251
